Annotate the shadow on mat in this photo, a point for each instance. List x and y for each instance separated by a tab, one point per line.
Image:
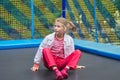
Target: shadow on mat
45	74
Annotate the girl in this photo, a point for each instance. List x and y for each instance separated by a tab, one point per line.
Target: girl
57	50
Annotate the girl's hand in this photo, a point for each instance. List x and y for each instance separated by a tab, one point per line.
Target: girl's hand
35	67
80	67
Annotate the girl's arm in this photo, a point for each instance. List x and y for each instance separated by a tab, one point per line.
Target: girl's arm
38	56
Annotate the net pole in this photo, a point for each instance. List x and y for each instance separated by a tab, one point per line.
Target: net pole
32	19
64	8
95	23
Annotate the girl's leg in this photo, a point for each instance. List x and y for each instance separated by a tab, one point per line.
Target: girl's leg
49	62
48	58
70	62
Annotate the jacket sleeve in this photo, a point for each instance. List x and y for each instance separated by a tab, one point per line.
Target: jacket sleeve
38	55
69	46
73	45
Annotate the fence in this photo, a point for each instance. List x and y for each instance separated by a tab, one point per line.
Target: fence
95	20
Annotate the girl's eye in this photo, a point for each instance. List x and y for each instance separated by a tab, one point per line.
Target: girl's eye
56	26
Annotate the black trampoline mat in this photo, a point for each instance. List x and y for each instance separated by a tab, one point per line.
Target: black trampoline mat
15	64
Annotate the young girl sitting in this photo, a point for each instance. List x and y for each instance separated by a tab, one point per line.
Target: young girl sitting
57	50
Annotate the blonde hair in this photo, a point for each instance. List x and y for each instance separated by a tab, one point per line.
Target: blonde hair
68	24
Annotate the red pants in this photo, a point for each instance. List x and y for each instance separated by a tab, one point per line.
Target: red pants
50	60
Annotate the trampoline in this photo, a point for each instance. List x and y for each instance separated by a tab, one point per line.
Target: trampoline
16	56
15	64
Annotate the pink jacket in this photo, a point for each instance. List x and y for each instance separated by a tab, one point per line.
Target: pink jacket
48	43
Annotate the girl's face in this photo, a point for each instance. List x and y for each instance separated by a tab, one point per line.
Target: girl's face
59	28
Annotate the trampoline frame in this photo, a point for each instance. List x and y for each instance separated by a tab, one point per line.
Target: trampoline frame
106	50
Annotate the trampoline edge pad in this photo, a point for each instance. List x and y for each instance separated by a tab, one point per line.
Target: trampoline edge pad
106	50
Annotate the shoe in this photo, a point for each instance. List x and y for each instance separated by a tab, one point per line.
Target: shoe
58	75
64	74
